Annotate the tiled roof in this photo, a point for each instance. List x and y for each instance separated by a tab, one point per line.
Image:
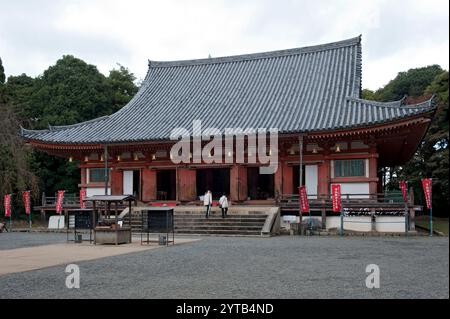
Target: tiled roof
297	90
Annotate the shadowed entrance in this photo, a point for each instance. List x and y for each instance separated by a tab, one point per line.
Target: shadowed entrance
217	180
166	184
260	186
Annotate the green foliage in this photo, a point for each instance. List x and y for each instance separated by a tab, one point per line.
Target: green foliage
432	156
121	83
15	174
2	72
68	92
412	83
55	173
438	133
367	94
18	90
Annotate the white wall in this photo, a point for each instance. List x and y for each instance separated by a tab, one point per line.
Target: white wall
390	224
355	223
311	179
91	191
355	188
128	182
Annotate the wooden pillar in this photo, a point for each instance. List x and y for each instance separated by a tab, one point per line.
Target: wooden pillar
278	181
242	183
148	185
288	182
116	182
234	183
323	186
373	169
83	176
186	184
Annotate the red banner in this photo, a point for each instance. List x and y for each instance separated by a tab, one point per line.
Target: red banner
26	202
82	197
426	183
7	205
336	197
59	202
304	206
404	189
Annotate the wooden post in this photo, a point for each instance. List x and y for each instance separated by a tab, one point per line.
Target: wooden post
324	214
129	219
106	168
94	220
412	213
300	183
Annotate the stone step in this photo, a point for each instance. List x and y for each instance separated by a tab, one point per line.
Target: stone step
251	227
219	220
225	223
196	223
218	232
220	216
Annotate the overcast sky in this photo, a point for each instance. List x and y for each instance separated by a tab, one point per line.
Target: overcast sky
397	34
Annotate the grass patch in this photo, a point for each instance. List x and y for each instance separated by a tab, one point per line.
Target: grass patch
439	224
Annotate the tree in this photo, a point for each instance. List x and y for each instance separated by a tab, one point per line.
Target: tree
432	156
2	72
18	90
15	173
412	83
122	85
68	92
368	95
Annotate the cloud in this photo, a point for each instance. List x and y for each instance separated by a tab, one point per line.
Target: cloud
397	35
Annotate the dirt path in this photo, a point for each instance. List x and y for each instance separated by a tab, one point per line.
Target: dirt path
31	258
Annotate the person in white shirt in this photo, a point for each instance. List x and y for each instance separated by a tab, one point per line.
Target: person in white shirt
223	202
207	201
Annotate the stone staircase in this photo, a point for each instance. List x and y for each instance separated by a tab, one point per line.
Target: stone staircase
235	224
194	222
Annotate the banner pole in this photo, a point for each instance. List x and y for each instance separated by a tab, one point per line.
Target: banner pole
342	224
431	207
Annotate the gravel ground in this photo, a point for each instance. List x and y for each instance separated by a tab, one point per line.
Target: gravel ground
236	267
18	240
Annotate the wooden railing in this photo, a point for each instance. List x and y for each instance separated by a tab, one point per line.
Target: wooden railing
391	199
70	200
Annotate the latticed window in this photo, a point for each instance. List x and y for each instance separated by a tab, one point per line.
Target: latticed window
349	168
96	175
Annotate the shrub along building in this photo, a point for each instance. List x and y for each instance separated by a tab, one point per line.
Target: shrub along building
312	95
